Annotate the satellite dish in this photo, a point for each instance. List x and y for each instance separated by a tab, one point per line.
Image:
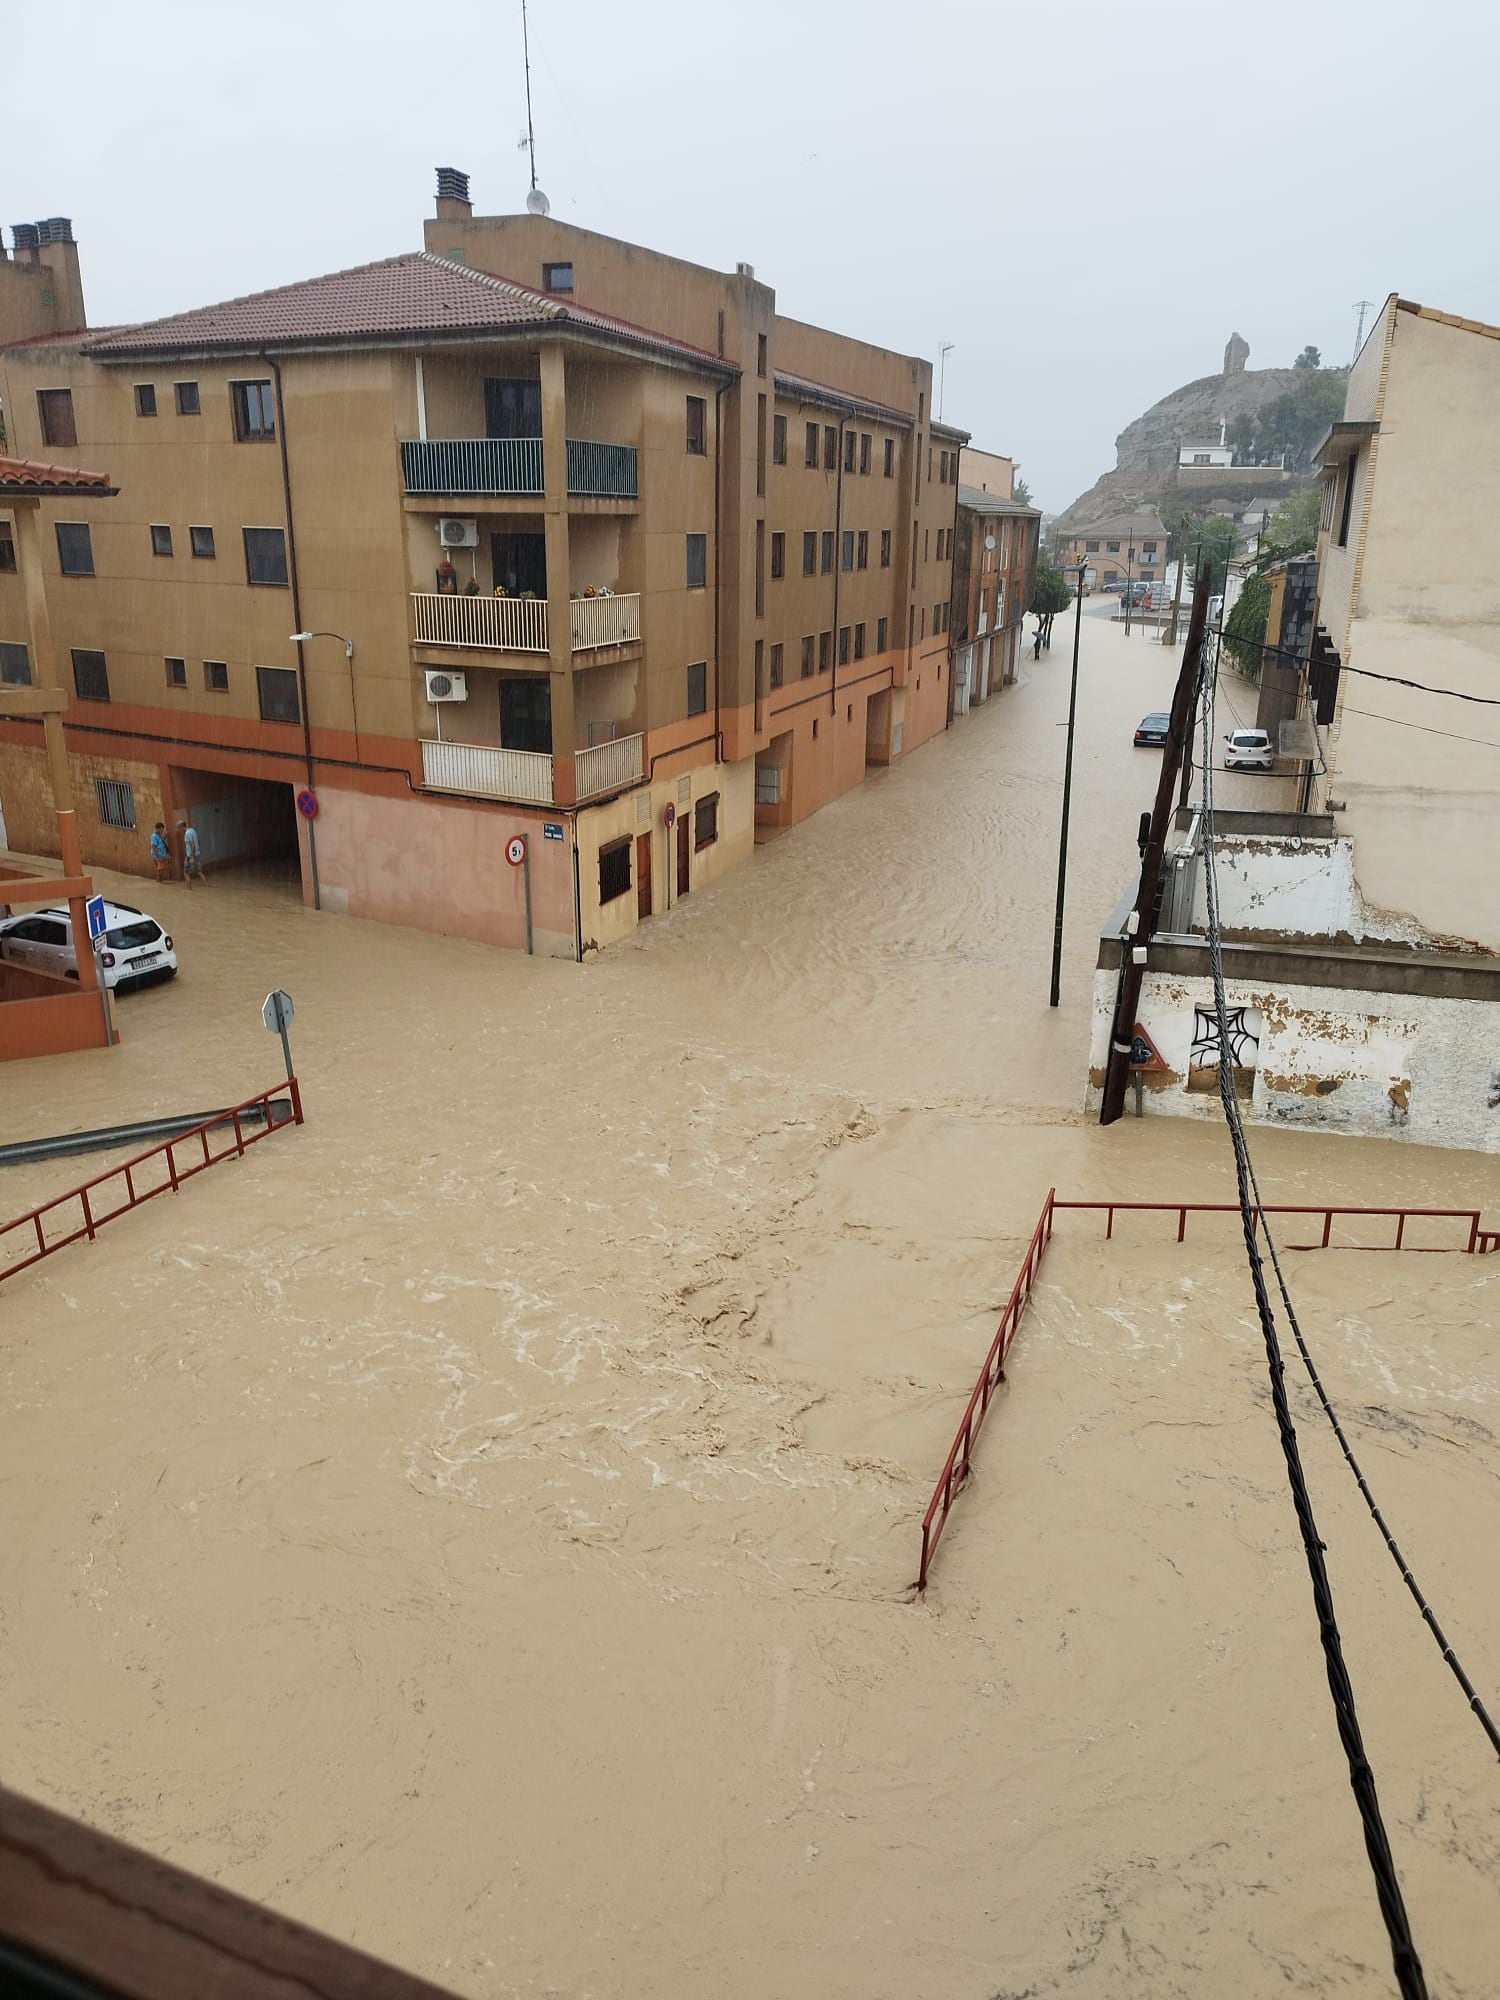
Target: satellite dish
989	541
537	203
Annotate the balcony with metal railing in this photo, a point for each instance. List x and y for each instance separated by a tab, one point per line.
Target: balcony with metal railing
490	771
519	624
471	467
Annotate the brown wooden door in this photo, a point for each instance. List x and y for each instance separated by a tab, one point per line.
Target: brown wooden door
684	876
643	874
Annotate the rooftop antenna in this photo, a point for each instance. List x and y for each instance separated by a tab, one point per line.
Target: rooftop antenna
1361	306
945	348
536	202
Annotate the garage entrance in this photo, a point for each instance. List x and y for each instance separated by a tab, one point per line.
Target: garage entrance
245	826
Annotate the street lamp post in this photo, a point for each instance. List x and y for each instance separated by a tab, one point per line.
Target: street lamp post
1067	797
1129	586
348	646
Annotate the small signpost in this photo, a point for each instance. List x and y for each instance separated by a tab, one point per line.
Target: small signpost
516	854
94	909
277	1014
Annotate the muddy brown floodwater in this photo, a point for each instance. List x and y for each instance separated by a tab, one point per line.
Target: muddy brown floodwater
482	1522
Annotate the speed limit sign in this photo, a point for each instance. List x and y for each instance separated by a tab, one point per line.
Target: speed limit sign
515	850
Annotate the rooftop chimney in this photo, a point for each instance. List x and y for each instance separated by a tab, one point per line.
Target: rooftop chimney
56	229
26	238
453	192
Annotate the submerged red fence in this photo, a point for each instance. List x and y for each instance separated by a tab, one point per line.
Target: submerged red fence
87	1216
1476	1240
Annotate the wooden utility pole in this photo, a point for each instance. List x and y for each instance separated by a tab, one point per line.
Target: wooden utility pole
1142	920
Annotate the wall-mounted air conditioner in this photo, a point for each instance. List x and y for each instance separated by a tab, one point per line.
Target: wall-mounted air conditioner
445	686
454	534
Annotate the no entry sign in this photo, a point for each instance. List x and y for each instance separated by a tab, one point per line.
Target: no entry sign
669	815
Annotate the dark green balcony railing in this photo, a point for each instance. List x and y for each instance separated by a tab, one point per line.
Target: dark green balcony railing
601	471
472	465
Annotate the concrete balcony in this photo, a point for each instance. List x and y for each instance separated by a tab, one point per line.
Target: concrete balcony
610	767
444	467
519	624
488	771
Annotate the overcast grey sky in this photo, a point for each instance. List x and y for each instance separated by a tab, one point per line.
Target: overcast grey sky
1085	199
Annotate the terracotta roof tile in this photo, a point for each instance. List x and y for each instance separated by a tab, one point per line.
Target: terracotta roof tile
30	475
399	298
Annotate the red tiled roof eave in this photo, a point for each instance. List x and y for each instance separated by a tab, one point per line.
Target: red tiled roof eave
27	476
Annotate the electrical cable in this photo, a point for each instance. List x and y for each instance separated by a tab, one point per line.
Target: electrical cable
1408	1967
1299	658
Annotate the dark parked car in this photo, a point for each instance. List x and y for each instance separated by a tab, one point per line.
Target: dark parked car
1154	729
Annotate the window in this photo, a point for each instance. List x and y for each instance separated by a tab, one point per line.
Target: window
760	355
1148	551
7	547
859	642
778	440
187	399
890	458
777	666
825	651
557	277
862	556
1113	548
161	541
614	869
697	426
113	796
216	676
881	628
942	468
75	551
697	687
254	412
809	553
885	548
811	457
15	664
176	673
778	557
145	399
851	446
830	448
705	821
55	408
807	657
90	675
697	561
1348	507
864	451
926	544
1091	548
846	554
276	688
929	465
843	645
827	563
202	540
760	569
265	556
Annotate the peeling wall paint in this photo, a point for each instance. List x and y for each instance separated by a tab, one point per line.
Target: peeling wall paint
1277	887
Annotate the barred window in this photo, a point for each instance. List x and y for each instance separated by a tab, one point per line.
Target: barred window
116	802
614	870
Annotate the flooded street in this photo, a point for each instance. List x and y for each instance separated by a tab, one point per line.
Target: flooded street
481	1522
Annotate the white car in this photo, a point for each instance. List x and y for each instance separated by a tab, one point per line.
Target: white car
1248	750
134	947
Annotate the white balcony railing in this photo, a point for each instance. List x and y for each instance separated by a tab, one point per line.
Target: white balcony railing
609	767
605	621
486	772
493	624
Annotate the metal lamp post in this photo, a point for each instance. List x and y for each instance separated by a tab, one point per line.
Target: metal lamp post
1067	797
348	646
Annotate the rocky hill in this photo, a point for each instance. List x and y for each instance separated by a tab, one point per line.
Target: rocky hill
1145	469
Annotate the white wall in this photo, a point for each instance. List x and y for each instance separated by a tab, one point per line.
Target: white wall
1278	888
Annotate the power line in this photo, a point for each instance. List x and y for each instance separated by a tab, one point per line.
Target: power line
1408	1966
1453	736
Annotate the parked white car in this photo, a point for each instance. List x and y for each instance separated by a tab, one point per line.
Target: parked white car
133	949
1248	750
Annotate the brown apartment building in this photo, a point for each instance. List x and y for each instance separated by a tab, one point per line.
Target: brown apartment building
592	546
994	570
1125	544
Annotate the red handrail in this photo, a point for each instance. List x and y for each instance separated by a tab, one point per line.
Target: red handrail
956	1466
135	1196
1476	1239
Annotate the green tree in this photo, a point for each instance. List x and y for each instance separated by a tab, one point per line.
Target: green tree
1210	545
1241	435
1293	529
1245	627
1292	423
1050	593
1022	492
1308	358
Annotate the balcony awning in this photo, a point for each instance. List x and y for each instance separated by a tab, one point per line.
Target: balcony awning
1343	440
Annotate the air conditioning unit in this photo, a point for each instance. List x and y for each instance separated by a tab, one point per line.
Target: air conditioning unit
446	687
458	534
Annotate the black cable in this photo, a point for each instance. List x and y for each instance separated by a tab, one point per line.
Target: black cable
1408	1967
1298	657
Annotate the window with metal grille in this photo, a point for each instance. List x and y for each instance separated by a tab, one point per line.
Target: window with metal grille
277	690
55	408
145	406
859	642
827	563
778	440
862	556
697	687
843	645
176	673
810	553
825	651
254	411
851	446
188	404
265	556
202	540
697	561
830	448
864	451
807	657
216	677
847	551
15	664
116	802
890	458
881	628
885	548
706	821
778	557
161	540
90	675
75	549
614	870
811	456
776	666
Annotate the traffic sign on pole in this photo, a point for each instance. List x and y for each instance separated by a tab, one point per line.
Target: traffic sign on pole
98	924
515	849
277	1014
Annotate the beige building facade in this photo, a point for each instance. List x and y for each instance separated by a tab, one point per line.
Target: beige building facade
591	545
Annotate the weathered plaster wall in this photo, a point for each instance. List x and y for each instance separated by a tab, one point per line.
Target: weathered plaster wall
1283	888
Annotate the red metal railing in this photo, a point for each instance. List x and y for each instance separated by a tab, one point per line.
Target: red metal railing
1476	1240
956	1466
134	1173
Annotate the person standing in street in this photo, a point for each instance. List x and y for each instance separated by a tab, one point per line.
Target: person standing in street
192	857
161	854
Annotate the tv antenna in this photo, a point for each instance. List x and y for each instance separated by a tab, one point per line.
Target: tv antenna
1361	306
536	202
945	348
